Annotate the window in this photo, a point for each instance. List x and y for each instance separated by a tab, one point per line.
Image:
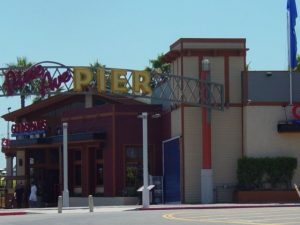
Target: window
37	156
54	156
99	166
77	156
99	174
99	154
134	166
77	167
77	175
134	174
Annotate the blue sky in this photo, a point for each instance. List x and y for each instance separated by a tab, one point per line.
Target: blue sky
127	34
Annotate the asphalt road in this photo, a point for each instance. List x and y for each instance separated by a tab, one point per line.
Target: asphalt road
243	216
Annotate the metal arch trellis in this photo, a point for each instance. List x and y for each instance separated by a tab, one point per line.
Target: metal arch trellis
27	83
165	87
187	90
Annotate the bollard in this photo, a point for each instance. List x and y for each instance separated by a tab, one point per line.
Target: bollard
59	204
91	203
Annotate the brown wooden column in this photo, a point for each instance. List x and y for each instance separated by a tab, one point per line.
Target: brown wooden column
114	152
85	172
226	79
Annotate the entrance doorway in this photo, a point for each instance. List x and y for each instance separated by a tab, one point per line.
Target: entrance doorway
47	182
171	170
44	172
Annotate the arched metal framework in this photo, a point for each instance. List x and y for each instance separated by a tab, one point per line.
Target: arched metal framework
47	78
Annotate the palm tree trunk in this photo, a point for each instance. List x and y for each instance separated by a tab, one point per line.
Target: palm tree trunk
22	101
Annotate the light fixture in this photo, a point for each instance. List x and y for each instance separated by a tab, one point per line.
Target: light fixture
205	65
268	74
156	116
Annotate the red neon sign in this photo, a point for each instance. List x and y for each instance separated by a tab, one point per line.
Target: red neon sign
16	79
5	142
295	111
29	127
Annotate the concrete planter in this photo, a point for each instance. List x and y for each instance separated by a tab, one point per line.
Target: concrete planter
266	196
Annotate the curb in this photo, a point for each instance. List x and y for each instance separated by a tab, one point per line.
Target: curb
218	207
162	207
12	213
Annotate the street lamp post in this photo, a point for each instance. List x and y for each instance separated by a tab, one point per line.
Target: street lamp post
8	109
145	194
206	170
9	159
65	166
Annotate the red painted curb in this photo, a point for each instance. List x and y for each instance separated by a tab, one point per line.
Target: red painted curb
12	213
220	207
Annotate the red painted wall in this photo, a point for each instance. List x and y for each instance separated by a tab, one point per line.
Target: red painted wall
129	132
99	123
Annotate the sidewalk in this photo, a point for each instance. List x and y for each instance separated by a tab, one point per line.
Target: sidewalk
15	212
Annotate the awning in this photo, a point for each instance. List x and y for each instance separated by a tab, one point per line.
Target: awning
58	139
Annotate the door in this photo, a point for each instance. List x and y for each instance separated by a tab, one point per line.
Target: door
171	170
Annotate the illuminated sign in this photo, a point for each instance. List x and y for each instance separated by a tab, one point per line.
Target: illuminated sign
120	80
5	142
29	128
40	80
295	111
16	79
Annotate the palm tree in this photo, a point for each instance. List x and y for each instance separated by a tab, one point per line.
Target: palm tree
40	97
94	67
298	64
22	64
158	65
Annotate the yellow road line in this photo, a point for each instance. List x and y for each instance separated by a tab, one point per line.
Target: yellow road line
172	216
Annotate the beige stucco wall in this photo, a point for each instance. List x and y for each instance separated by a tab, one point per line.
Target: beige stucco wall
175	66
236	66
192	154
213	45
178	66
261	137
191	67
226	126
226	144
20	169
217	72
175	70
172	67
176	123
216	69
226	129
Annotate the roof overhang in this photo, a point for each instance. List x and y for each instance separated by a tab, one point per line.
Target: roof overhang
58	140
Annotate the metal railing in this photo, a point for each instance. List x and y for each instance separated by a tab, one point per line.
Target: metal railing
47	78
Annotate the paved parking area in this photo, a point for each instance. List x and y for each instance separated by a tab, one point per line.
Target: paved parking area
250	216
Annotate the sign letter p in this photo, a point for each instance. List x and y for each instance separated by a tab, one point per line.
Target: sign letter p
82	77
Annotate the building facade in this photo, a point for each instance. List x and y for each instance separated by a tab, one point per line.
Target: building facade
195	149
104	146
